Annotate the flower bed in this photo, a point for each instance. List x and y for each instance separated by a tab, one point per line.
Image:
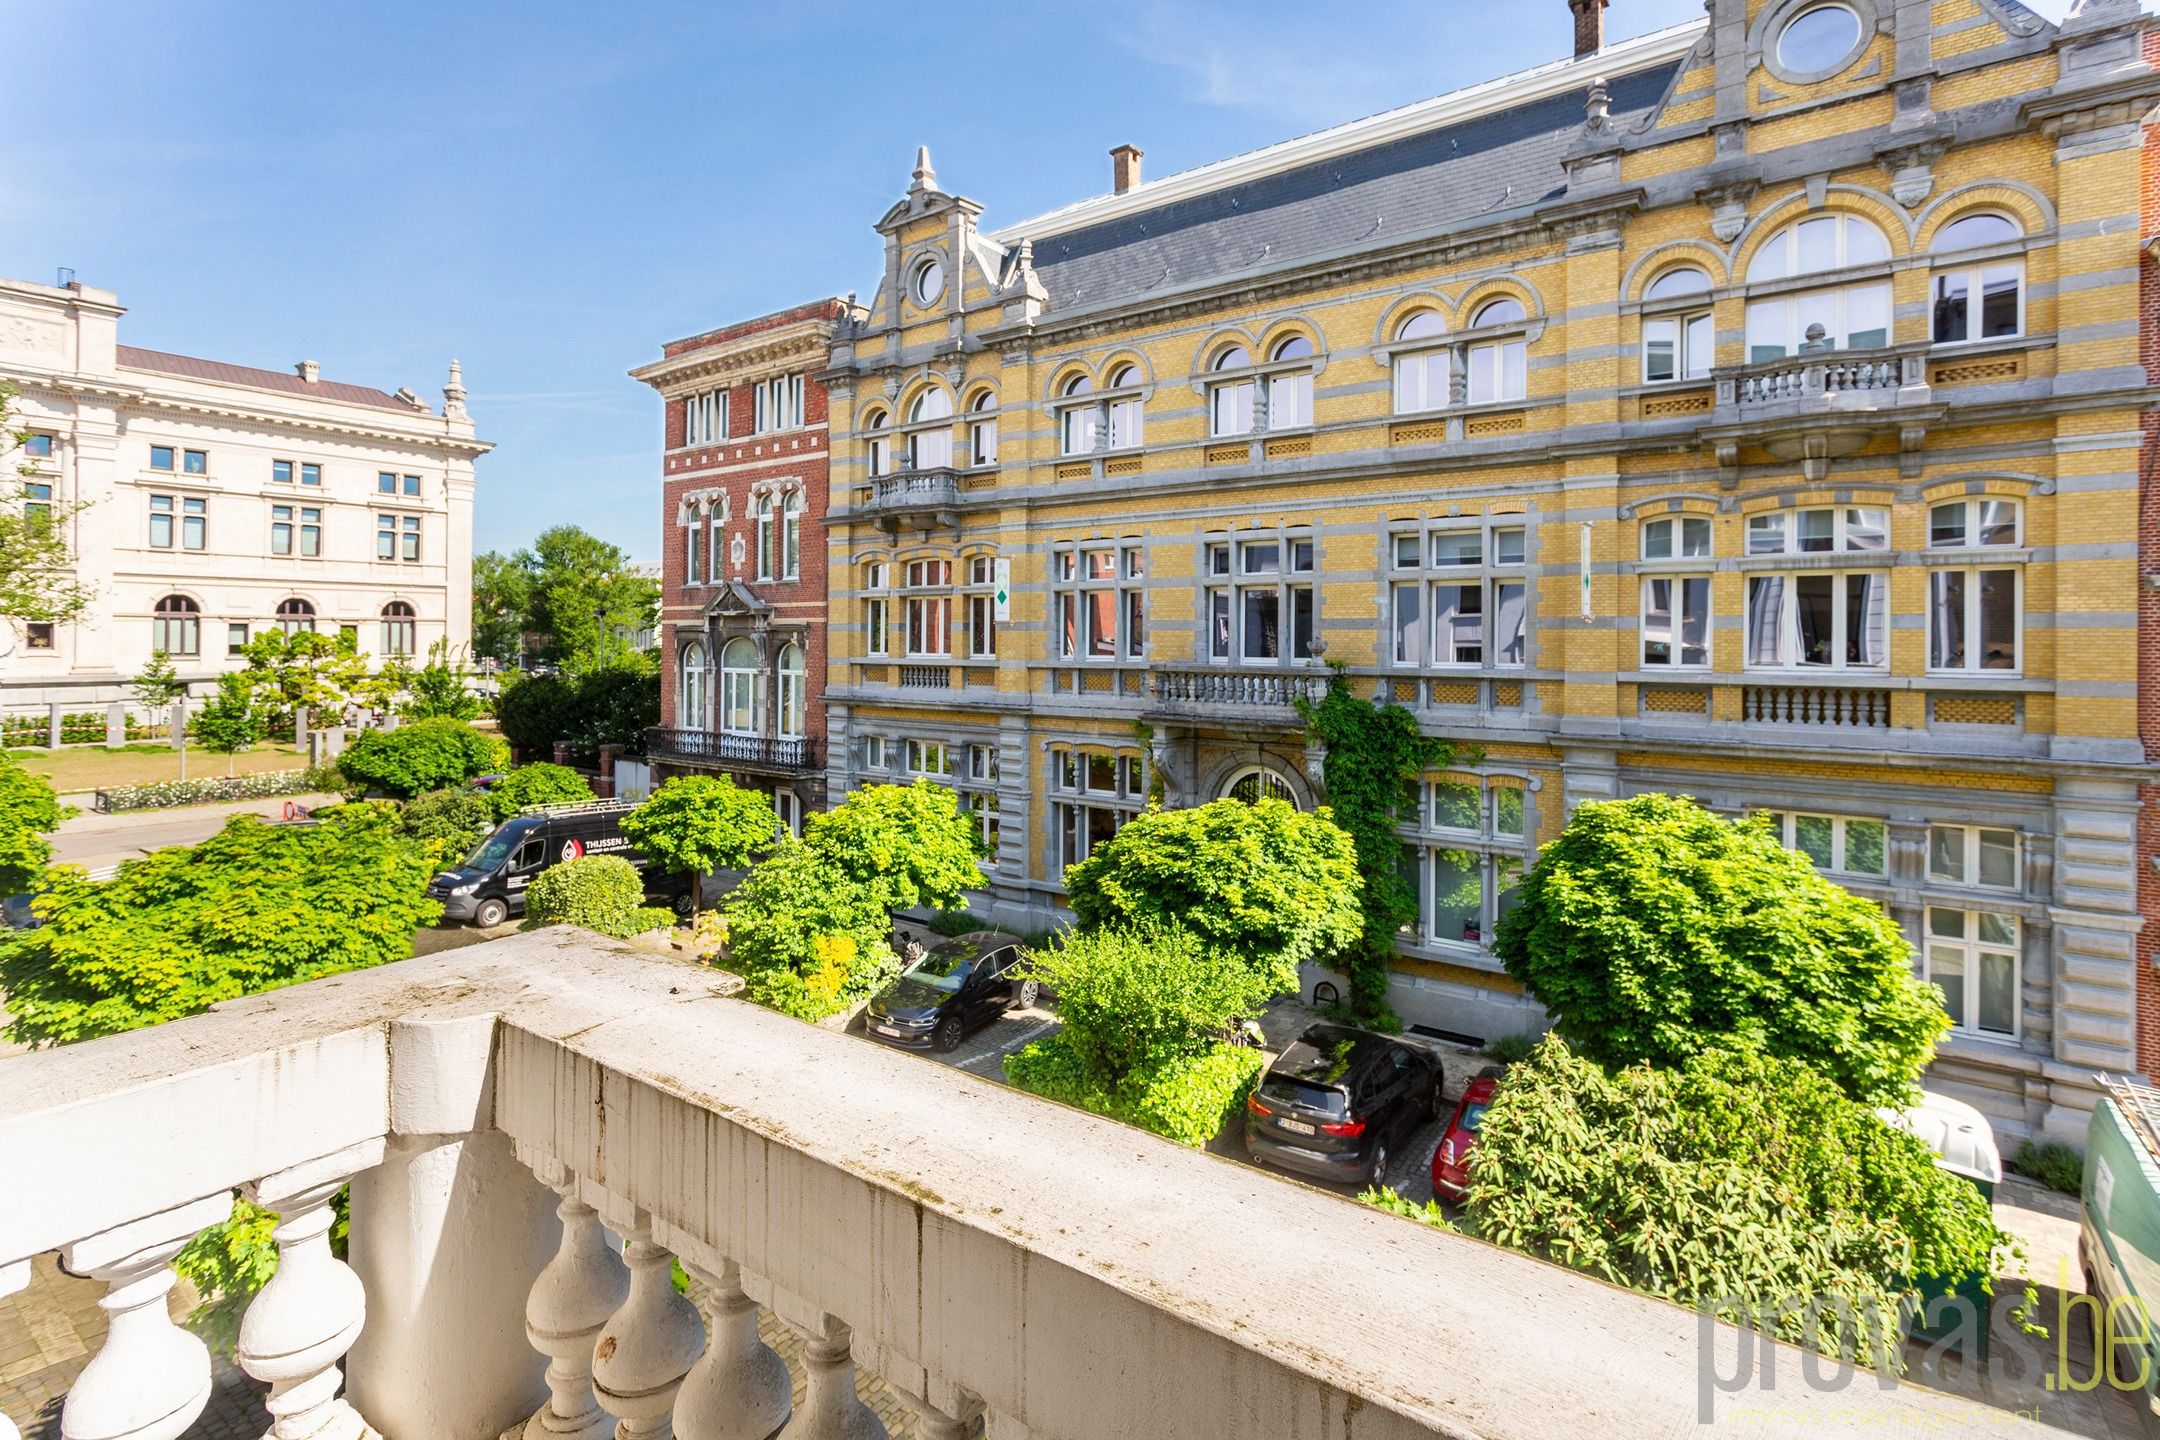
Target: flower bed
169	793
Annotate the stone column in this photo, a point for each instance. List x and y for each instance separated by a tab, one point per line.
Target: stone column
115	725
150	1379
831	1409
52	725
573	1298
739	1389
648	1345
301	1324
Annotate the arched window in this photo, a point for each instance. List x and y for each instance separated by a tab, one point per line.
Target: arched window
877	428
1853	316
1079	417
1498	368
693	698
794	691
930	449
176	626
1679	342
1258	782
791	518
1981	299
1421	376
1290	393
766	559
296	617
400	628
1126	429
983	429
739	687
1230	402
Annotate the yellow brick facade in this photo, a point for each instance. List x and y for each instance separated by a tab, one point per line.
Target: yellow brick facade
1167	563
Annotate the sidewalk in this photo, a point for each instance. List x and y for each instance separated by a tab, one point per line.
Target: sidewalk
94	840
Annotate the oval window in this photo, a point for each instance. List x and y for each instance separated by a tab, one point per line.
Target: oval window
1818	41
929	281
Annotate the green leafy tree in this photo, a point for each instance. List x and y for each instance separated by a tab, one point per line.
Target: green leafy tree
1375	756
29	811
578	594
447	824
534	711
1263	882
1740	1182
808	938
438	692
380	691
537	784
502	607
905	845
612	706
696	824
254	907
425	755
304	670
159	686
1652	929
231	720
601	893
37	564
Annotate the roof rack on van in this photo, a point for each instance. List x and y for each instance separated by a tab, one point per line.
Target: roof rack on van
579	807
2140	1106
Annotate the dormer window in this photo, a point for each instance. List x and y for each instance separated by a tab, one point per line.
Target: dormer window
928	281
1079	418
1498	367
1290	393
1230	402
1421	375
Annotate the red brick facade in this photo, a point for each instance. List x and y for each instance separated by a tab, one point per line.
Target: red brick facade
730	476
2148	825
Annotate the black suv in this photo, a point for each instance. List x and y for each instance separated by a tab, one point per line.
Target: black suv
1337	1103
962	984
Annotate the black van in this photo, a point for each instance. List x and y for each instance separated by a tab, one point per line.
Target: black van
489	887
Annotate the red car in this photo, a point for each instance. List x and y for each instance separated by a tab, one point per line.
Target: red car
1451	1162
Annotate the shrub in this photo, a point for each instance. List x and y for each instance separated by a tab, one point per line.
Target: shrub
1134	998
1264	883
535	711
449	822
1509	1049
1652	930
29	811
906	845
611	706
601	893
1188	1098
696	824
536	784
807	938
1429	1213
2052	1164
1743	1182
955	922
425	755
165	794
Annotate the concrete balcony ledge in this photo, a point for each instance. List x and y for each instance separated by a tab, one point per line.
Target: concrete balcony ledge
988	1253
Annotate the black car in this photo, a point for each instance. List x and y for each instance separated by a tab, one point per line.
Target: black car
958	985
1338	1102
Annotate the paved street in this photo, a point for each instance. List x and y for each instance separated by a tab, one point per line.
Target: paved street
95	841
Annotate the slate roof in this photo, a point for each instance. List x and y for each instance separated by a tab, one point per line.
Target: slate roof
1503	160
162	363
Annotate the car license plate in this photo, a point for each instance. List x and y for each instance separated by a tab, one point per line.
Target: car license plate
1295	1127
890	1030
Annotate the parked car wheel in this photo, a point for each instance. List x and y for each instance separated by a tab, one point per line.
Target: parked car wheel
1029	992
1377	1175
681	905
946	1038
490	913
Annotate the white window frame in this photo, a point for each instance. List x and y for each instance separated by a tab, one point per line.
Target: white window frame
1233	403
1680	529
1083	577
1496	852
1229	581
1094	793
1969	951
1789	653
1691	338
1500	567
978	620
1971	842
693	699
929	431
926	596
1424	370
877	607
705	417
1850	527
1679	582
742	689
1973	519
1787	825
1974	614
983	430
778	404
1795	312
793	714
1079	416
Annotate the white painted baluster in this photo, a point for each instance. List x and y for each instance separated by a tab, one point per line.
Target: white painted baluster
831	1409
13	1277
150	1379
739	1389
300	1326
580	1288
647	1345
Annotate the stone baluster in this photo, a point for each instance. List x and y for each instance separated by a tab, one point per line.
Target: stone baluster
571	1300
150	1379
739	1389
648	1345
831	1410
304	1320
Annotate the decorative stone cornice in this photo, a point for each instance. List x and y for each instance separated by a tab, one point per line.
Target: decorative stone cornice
744	361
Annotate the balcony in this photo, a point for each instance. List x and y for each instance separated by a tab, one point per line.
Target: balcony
1823	404
766	754
535	1129
1242	694
922	499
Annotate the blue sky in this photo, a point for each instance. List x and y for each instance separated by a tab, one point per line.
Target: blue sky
549	191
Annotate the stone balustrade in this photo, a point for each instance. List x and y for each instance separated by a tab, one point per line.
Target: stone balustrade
534	1129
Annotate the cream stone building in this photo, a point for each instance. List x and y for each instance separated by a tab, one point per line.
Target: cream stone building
1751	410
218	501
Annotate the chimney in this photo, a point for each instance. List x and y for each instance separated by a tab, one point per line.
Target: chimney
1125	167
310	370
1589	26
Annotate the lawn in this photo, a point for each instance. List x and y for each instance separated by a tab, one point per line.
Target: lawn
93	767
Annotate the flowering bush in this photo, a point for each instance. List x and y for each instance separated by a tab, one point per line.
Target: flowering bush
165	794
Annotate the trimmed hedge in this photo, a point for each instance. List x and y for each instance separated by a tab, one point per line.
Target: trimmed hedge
602	893
168	793
537	784
425	755
1189	1098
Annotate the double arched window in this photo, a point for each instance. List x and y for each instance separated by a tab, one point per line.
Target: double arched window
1230	402
695	695
1498	367
296	617
1290	391
779	535
176	626
931	448
1837	315
794	690
1421	374
1679	340
400	628
1079	417
1977	295
739	687
1125	409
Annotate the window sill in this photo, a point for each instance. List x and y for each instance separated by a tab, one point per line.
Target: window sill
1859	675
1818	560
1975	556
